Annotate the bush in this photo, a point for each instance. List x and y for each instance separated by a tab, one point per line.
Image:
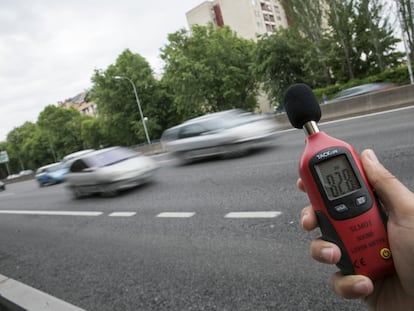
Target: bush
398	75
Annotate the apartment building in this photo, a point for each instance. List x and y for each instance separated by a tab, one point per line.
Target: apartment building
79	103
248	18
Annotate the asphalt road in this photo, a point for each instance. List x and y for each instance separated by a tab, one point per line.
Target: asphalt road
205	258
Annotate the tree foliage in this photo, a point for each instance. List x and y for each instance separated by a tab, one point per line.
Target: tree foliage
117	105
280	61
62	129
406	11
209	69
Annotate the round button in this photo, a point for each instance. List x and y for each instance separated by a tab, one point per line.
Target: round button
385	253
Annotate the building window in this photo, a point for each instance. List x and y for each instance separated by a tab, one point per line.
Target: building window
265	7
270	28
268	17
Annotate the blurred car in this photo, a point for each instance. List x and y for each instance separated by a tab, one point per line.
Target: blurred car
109	170
25	172
2	186
68	159
51	174
361	90
230	132
13	176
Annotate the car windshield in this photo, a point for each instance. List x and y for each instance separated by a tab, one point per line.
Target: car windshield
110	157
56	167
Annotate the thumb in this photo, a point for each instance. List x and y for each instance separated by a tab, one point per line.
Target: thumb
397	199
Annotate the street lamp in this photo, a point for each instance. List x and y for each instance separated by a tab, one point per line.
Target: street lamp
139	105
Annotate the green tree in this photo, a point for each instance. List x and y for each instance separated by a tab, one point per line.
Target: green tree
116	102
16	139
309	19
280	62
406	11
61	128
361	37
209	70
374	39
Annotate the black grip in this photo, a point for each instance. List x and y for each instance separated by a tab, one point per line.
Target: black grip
329	234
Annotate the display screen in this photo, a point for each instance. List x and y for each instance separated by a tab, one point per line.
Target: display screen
337	177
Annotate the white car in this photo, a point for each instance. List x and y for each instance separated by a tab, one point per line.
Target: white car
108	171
230	132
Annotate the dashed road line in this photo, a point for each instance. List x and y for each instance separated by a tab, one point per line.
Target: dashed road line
51	213
122	214
176	215
252	215
241	215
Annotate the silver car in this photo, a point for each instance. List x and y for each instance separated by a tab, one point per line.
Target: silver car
108	171
230	132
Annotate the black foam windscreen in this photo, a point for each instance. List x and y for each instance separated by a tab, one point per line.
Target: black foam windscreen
301	105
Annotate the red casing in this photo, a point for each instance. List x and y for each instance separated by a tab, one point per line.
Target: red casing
364	237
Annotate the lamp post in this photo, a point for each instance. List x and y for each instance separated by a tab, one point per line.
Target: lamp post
138	103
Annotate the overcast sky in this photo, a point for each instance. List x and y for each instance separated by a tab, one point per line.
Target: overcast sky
49	49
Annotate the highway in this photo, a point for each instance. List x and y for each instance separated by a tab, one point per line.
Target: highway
222	234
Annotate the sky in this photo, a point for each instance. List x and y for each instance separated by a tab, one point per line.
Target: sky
49	49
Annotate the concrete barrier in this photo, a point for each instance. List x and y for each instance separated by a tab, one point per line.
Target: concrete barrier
395	98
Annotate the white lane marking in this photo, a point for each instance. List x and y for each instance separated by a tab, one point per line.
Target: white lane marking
122	214
52	213
6	194
175	215
23	297
252	214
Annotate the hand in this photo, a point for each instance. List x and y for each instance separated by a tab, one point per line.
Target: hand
392	293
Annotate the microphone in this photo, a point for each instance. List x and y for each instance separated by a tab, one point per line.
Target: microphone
301	105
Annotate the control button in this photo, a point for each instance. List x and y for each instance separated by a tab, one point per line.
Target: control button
385	253
361	200
341	208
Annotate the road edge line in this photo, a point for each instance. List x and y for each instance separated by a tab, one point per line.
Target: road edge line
16	296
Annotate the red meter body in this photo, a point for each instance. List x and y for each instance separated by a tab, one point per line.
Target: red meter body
347	210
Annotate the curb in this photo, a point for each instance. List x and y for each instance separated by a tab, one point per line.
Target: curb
16	296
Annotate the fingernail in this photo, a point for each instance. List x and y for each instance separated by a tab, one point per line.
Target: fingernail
362	288
327	254
371	156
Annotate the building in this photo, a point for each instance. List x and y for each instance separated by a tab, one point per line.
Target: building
248	18
80	103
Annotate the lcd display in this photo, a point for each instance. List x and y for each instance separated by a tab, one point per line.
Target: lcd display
337	177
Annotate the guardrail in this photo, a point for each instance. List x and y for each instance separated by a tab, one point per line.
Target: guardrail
395	98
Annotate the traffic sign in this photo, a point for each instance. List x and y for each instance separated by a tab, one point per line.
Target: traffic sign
4	157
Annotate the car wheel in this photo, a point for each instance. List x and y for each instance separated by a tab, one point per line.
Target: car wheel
182	158
235	151
76	193
109	192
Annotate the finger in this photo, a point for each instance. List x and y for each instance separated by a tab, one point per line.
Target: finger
352	286
395	196
300	185
308	219
325	252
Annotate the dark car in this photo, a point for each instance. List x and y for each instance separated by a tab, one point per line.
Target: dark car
2	186
362	89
